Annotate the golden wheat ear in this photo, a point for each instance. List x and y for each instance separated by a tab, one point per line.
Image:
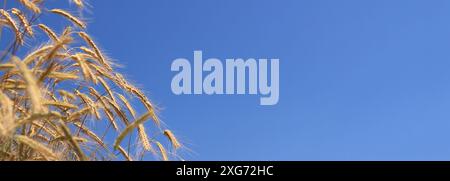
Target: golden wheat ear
79	3
96	49
50	33
31	5
70	17
163	151
130	128
46	152
53	96
32	87
23	20
124	153
175	143
13	24
7	122
3	22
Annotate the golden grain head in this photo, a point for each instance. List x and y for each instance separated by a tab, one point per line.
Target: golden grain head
37	146
172	139
7	122
31	5
23	20
130	127
62	99
13	24
70	17
96	49
162	150
32	87
79	3
50	33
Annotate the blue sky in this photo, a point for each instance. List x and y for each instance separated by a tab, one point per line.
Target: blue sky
359	80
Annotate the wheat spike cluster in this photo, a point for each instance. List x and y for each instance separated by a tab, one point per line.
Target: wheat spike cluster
63	99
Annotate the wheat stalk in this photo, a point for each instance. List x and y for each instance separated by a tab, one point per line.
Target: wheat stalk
32	88
63	99
172	139
162	150
31	6
13	24
69	16
72	141
130	127
49	32
23	20
79	3
97	51
7	123
40	148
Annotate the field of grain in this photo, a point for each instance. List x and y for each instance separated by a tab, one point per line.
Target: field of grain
64	99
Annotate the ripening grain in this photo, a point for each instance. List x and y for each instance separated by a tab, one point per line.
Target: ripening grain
60	98
70	17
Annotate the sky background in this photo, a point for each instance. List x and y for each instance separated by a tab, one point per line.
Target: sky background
359	80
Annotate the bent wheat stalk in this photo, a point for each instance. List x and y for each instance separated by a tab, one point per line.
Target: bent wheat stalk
13	24
23	20
64	99
69	16
130	127
42	149
31	6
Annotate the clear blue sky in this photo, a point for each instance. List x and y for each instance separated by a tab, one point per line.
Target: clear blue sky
359	80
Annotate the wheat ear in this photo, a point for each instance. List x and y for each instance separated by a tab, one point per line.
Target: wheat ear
32	88
79	3
162	151
124	153
50	33
23	20
46	152
175	143
72	141
13	24
69	16
94	46
130	127
31	6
